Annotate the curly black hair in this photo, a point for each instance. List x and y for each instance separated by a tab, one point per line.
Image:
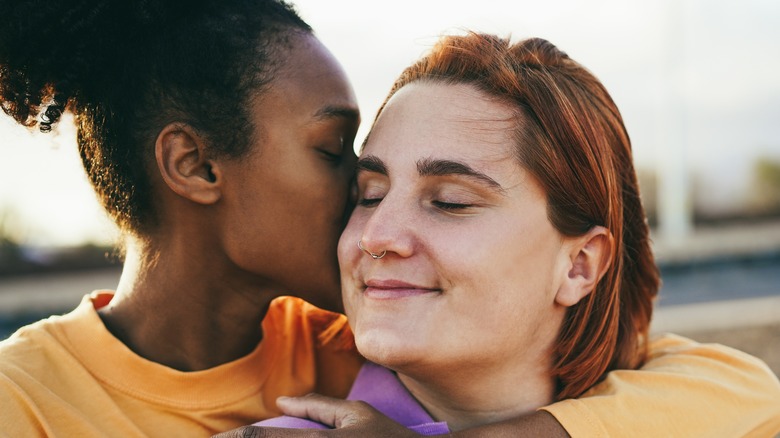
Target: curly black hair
128	68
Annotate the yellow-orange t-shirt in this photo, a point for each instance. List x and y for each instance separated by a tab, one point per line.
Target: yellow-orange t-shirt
68	376
685	390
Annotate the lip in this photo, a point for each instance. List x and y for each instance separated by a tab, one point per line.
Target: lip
394	289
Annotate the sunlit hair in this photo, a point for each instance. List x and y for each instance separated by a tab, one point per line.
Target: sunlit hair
126	69
571	137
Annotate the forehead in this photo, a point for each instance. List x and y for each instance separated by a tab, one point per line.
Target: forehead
308	80
455	120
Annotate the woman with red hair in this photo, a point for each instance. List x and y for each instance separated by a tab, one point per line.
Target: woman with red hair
530	113
498	259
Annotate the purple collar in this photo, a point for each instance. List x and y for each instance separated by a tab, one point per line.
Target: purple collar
380	388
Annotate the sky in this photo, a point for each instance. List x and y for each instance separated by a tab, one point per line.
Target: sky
697	83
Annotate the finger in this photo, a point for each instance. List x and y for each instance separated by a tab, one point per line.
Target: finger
272	432
326	410
243	432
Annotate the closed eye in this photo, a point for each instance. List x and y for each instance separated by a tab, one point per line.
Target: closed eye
451	205
369	202
330	156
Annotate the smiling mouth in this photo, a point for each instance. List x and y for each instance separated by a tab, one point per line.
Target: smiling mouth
392	290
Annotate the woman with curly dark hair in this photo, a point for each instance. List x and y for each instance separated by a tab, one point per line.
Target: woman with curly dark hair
218	136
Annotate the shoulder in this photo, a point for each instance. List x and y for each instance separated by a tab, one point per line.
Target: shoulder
25	369
42	354
38	346
29	345
690	388
677	353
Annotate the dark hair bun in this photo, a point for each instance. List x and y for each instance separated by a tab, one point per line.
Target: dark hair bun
128	68
53	52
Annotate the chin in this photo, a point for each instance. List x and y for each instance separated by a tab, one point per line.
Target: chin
391	350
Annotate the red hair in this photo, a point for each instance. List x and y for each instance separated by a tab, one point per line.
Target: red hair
570	136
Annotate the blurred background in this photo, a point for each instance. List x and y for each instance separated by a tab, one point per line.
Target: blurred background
698	84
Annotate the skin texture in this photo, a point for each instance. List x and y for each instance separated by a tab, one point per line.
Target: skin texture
467	286
237	233
467	301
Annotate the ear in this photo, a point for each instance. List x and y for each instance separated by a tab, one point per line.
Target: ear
181	158
590	256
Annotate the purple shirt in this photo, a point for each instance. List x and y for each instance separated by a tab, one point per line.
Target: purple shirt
380	388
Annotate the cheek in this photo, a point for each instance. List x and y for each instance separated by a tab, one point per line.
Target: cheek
348	250
506	273
352	262
346	256
349	255
328	194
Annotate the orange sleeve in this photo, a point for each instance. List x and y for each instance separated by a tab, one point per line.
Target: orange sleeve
685	389
337	359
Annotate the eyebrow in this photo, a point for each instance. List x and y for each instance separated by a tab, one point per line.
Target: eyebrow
370	163
435	167
333	112
431	167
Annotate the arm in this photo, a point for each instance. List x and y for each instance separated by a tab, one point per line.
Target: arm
357	419
685	389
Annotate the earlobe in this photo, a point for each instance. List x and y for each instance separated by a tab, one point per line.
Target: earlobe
590	256
184	166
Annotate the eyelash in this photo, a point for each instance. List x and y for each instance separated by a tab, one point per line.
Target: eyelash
369	202
450	205
373	202
335	158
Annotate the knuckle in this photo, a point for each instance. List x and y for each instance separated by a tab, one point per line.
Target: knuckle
245	432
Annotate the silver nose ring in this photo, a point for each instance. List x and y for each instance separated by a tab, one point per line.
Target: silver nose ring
373	256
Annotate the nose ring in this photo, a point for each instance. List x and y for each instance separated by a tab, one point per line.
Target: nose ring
373	256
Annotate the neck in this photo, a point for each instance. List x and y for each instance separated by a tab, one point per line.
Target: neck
478	395
184	308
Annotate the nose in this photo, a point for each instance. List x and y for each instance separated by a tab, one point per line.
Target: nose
388	230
